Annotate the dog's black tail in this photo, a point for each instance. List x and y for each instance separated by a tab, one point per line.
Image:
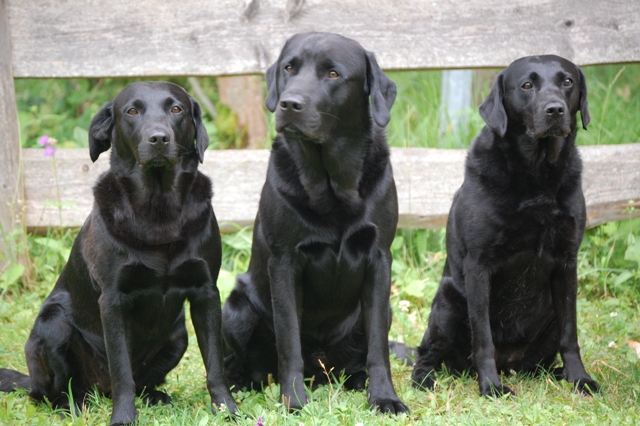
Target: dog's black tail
11	380
403	352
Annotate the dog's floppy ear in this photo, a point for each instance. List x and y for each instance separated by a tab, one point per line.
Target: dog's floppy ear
202	139
492	109
381	89
584	108
272	87
100	131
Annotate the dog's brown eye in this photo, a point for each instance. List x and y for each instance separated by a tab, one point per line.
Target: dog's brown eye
288	68
567	82
132	111
527	86
176	109
333	74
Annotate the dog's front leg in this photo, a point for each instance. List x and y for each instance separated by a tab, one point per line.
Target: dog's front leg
564	289
286	300
375	308
477	283
206	317
123	387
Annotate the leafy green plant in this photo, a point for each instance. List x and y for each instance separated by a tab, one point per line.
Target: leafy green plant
236	251
609	260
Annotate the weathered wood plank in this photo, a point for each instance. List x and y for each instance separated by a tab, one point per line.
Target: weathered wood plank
426	181
79	38
610	181
11	189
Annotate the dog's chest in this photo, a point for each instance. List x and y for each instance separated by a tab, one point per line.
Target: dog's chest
153	298
162	283
538	226
535	239
335	270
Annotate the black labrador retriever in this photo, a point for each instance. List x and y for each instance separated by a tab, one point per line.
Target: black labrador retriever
316	295
507	298
115	318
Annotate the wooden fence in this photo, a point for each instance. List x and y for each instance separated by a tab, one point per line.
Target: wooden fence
79	38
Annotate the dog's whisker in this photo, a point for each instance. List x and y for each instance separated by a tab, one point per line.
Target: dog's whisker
332	116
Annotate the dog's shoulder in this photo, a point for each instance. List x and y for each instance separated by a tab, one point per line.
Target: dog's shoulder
108	194
202	188
376	165
487	164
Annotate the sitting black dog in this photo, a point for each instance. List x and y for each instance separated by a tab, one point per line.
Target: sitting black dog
507	298
316	295
115	318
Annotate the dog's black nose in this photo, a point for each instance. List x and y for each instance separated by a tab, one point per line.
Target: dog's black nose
292	103
158	136
555	110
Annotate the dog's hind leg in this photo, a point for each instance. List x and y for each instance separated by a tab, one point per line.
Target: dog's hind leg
155	369
47	353
11	380
253	351
446	338
349	354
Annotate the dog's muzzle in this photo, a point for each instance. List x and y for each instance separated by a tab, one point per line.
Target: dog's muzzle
294	117
159	149
552	120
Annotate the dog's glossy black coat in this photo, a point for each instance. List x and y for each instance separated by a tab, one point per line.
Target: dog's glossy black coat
115	318
316	294
507	298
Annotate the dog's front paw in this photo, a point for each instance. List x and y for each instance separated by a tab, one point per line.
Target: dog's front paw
495	390
222	401
292	392
123	415
580	379
155	397
423	378
587	386
294	402
357	381
393	406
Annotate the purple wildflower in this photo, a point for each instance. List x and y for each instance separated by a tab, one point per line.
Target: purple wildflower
49	150
260	421
48	144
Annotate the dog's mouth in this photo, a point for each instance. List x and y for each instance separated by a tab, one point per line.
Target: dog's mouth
290	131
555	130
159	161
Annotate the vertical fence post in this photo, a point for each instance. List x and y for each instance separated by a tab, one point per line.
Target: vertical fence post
243	94
11	185
456	98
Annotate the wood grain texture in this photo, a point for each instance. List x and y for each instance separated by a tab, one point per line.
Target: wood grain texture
11	190
90	38
426	180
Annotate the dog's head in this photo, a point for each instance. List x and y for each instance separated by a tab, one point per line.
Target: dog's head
153	123
321	82
541	94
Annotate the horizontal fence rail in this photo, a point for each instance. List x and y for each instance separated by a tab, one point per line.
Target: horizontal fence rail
149	38
80	38
60	194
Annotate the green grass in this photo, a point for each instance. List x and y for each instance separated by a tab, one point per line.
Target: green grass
608	315
609	274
